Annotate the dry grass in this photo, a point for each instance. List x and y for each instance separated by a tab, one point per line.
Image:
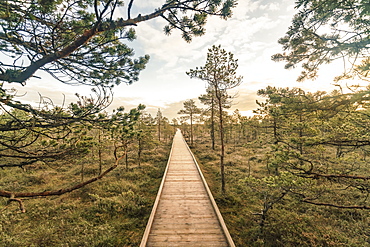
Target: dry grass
289	222
109	212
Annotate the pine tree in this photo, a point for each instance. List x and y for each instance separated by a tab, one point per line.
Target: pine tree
192	110
220	74
326	30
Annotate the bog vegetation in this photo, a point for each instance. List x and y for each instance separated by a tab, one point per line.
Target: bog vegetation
294	174
123	157
60	151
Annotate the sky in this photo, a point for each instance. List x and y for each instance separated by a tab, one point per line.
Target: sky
251	35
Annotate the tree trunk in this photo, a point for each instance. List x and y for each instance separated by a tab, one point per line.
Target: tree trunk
100	153
222	153
139	153
213	124
126	158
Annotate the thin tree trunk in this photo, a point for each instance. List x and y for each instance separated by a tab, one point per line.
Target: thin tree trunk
222	154
126	158
139	153
213	124
100	153
222	165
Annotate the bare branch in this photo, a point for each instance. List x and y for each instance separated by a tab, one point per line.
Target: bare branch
335	206
129	9
14	195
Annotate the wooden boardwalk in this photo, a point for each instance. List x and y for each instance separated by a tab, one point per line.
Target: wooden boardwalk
185	213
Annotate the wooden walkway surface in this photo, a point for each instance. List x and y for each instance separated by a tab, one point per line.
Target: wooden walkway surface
185	213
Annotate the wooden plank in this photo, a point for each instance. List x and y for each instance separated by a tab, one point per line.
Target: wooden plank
188	238
186	244
184	213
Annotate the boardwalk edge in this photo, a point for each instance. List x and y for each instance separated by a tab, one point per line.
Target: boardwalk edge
215	207
144	240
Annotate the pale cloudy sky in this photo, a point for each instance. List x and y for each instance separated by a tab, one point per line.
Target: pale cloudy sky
251	34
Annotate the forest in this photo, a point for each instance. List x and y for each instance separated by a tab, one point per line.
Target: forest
295	173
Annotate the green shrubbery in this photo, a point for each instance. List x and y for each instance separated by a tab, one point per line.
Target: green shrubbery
288	222
297	172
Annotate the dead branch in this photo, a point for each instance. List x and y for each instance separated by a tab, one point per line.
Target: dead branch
20	202
316	175
335	206
15	195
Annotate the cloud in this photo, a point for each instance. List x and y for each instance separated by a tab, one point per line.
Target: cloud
245	7
270	7
171	110
247	34
237	35
245	99
251	34
241	28
171	49
149	4
245	102
53	92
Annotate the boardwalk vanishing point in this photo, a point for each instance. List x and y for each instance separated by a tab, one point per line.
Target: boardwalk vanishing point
184	212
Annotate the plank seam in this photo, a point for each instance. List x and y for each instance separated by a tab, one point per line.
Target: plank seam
215	207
